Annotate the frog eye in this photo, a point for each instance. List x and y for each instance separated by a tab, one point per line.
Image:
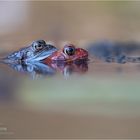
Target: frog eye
39	45
69	50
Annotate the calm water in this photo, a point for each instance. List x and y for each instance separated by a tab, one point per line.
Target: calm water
100	99
70	102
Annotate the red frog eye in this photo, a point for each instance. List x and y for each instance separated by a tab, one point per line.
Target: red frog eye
69	49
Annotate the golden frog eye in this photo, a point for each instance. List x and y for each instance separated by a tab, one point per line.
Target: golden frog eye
39	45
69	50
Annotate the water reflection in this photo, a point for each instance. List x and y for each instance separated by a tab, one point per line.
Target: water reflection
102	103
38	68
105	96
106	51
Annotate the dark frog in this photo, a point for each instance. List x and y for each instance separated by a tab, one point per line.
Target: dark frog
37	51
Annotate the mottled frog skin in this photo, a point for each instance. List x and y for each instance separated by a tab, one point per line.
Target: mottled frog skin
37	51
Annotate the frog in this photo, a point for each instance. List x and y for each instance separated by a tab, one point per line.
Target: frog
37	51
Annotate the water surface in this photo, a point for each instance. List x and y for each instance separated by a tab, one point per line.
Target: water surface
69	103
100	100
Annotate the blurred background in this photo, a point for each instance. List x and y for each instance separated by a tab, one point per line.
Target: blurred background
102	103
23	22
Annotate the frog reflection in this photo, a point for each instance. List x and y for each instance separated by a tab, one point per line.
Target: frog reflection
34	70
79	67
42	69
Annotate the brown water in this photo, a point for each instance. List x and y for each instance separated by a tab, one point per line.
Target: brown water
101	102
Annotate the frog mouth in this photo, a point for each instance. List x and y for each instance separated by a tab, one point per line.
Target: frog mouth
40	56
